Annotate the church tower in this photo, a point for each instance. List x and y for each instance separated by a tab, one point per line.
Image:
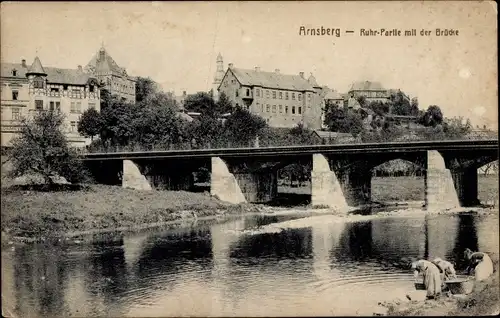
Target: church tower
219	74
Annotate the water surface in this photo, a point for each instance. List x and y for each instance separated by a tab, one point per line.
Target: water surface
250	266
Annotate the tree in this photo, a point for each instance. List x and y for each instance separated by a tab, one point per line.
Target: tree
117	122
224	105
242	127
400	104
343	120
144	87
41	148
90	124
155	121
201	102
414	107
362	101
432	117
301	135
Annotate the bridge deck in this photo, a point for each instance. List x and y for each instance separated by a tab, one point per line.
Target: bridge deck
414	146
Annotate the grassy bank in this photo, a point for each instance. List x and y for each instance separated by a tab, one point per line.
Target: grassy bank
36	213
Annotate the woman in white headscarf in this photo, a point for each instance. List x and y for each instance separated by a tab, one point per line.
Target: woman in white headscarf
432	277
480	262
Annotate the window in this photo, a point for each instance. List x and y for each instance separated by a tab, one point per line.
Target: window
73	126
72	108
300	110
274	94
281	108
15	95
92	105
293	109
78	107
58	105
257	92
309	97
14	72
38	82
65	87
281	95
267	93
268	108
274	108
293	96
236	93
286	109
286	95
300	96
16	113
248	92
54	89
51	105
39	104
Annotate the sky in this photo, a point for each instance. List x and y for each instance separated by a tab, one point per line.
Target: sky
176	44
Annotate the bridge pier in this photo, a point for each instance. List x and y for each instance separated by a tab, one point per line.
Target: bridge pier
325	186
440	193
133	178
259	186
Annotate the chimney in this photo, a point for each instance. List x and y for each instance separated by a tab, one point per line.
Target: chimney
277	71
230	65
80	68
257	69
301	74
23	63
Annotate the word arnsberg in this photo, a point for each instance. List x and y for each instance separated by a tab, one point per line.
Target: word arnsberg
411	32
319	31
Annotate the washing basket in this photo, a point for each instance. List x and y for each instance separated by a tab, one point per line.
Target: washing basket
460	285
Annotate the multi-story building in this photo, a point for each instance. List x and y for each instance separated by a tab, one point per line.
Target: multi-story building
282	100
26	90
112	77
372	91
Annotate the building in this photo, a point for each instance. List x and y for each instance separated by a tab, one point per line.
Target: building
282	100
112	77
26	90
219	75
372	91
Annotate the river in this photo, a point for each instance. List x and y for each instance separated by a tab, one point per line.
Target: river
260	265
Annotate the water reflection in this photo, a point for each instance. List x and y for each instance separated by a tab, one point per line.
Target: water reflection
225	269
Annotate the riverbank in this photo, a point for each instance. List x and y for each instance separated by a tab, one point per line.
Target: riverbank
484	300
36	214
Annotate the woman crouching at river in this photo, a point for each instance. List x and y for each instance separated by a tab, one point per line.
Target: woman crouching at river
480	262
432	277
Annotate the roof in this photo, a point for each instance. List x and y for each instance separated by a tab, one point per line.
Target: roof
333	95
54	75
366	86
36	67
271	80
6	70
105	64
67	76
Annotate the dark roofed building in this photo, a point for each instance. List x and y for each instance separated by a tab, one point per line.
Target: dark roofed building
283	100
372	91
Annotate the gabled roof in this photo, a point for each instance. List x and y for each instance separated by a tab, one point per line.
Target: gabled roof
366	86
36	67
6	70
271	79
102	62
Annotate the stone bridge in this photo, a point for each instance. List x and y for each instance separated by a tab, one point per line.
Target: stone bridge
341	174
